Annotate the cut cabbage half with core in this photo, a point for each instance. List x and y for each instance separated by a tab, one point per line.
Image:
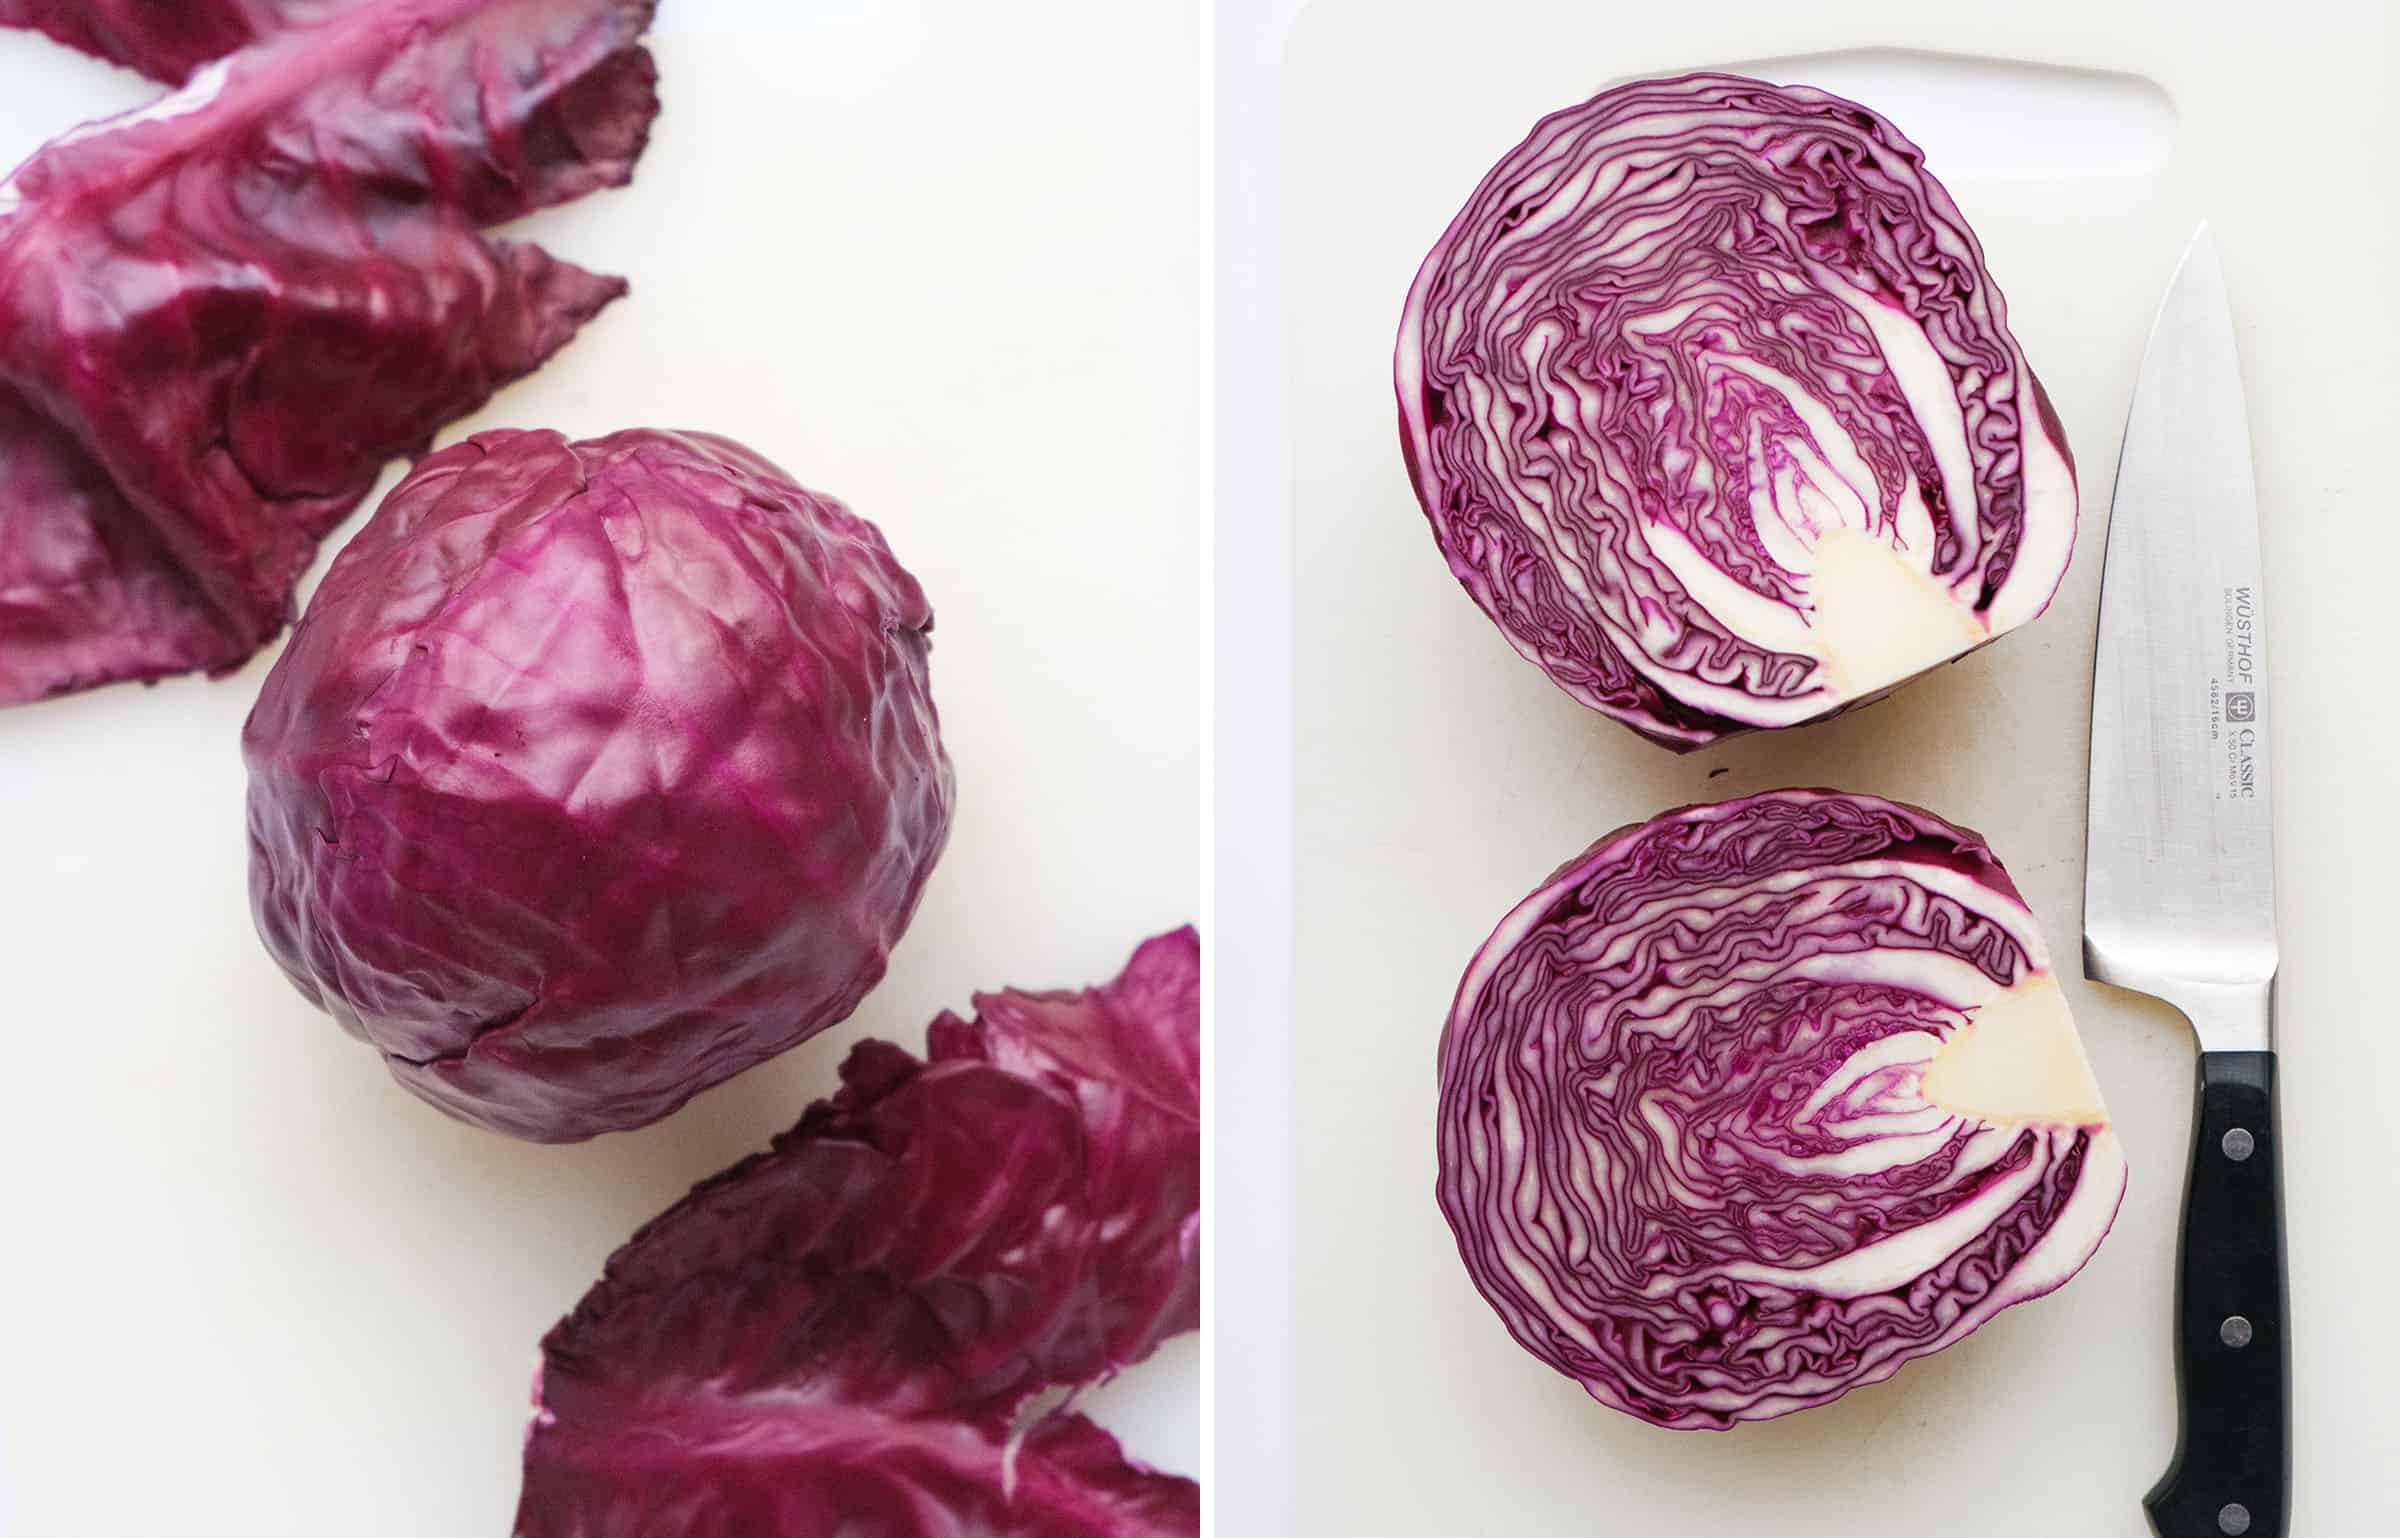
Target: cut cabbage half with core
1716	413
1755	1102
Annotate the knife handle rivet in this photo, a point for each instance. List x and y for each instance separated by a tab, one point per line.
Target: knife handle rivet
2235	1331
2233	1519
2238	1144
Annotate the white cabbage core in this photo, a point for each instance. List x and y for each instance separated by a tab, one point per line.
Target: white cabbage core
2017	1060
1874	612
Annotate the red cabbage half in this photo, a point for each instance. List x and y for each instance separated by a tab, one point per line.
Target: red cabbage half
849	1333
595	773
1715	411
1753	1103
222	315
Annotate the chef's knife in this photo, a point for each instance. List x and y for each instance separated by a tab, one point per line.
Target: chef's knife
2179	884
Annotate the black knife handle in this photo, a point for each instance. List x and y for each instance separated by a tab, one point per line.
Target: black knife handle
2232	1473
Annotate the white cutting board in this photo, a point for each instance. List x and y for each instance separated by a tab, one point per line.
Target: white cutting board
1439	777
945	262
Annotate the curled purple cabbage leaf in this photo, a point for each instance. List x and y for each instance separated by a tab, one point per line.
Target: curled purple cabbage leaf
1753	1103
164	39
595	773
222	315
1715	412
856	1331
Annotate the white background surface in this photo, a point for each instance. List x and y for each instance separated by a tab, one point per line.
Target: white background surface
1251	1131
945	260
1439	777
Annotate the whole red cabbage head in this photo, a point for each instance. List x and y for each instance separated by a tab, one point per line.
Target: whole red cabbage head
594	774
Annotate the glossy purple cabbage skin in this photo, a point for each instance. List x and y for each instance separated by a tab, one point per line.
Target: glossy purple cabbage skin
845	1334
164	39
222	315
595	774
1656	1066
1585	339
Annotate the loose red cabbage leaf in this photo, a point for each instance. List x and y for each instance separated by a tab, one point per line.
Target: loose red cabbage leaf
164	39
841	1335
222	315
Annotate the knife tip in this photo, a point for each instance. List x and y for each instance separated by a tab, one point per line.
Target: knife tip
2198	270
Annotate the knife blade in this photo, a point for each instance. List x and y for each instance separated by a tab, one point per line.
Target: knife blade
2179	884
